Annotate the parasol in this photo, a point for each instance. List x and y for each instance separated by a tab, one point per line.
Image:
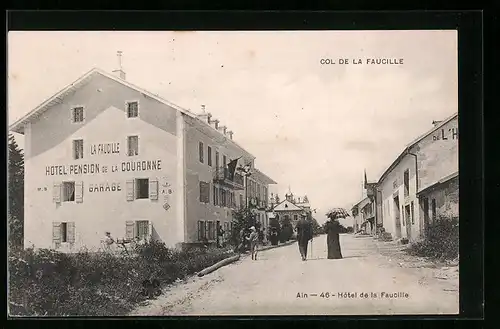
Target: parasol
337	213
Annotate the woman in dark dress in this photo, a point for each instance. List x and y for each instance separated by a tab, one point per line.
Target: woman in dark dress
333	242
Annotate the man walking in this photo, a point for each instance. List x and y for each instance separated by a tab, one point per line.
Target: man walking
304	234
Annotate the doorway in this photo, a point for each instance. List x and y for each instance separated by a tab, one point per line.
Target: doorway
425	206
397	214
408	221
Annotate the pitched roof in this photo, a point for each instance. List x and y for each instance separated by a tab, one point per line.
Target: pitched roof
262	177
413	143
360	202
441	181
286	205
18	126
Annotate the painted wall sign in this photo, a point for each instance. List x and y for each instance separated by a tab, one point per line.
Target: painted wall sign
444	134
105	187
106	148
141	165
94	168
40	189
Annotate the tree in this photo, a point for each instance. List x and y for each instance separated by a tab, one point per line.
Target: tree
317	229
15	194
242	218
286	232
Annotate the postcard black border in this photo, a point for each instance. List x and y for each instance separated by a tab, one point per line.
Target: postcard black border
470	34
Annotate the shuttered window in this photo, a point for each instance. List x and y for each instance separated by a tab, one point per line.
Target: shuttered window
132	145
153	189
70	232
223	197
211	230
141	188
63	232
77	114
143	229
56	192
56	233
204	192
79	192
129	186
216	159
68	191
201	230
209	156
78	149
130	230
132	109
200	151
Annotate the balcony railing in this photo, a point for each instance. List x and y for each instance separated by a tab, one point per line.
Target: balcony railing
221	176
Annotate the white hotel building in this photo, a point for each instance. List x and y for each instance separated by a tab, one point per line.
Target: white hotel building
104	155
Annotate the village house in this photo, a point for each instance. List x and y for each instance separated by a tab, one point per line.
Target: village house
291	209
421	183
363	214
103	155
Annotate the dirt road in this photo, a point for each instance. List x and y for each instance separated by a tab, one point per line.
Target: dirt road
366	282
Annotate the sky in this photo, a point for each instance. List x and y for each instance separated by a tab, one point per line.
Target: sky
314	128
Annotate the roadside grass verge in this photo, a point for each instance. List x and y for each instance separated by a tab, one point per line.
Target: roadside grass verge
49	283
441	241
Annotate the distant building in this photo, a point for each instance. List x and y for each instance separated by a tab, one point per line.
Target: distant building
291	208
363	214
105	155
421	184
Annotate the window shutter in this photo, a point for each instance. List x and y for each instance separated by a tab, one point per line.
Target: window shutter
79	192
56	232
153	189
150	229
71	232
56	193
72	113
130	189
129	229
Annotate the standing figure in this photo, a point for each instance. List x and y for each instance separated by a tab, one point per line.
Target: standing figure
108	242
304	234
253	239
333	241
241	246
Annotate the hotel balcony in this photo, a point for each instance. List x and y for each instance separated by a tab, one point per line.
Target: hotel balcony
222	177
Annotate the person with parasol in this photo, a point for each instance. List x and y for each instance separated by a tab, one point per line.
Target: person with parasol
332	230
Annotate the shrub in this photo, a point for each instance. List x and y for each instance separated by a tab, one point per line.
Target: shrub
441	240
48	283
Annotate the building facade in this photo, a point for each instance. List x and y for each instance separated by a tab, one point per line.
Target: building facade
363	214
425	165
291	208
103	155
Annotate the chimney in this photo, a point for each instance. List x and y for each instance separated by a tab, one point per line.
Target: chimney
119	73
230	134
215	124
205	117
436	123
223	129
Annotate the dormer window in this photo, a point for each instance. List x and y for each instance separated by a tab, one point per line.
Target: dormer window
77	114
132	109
